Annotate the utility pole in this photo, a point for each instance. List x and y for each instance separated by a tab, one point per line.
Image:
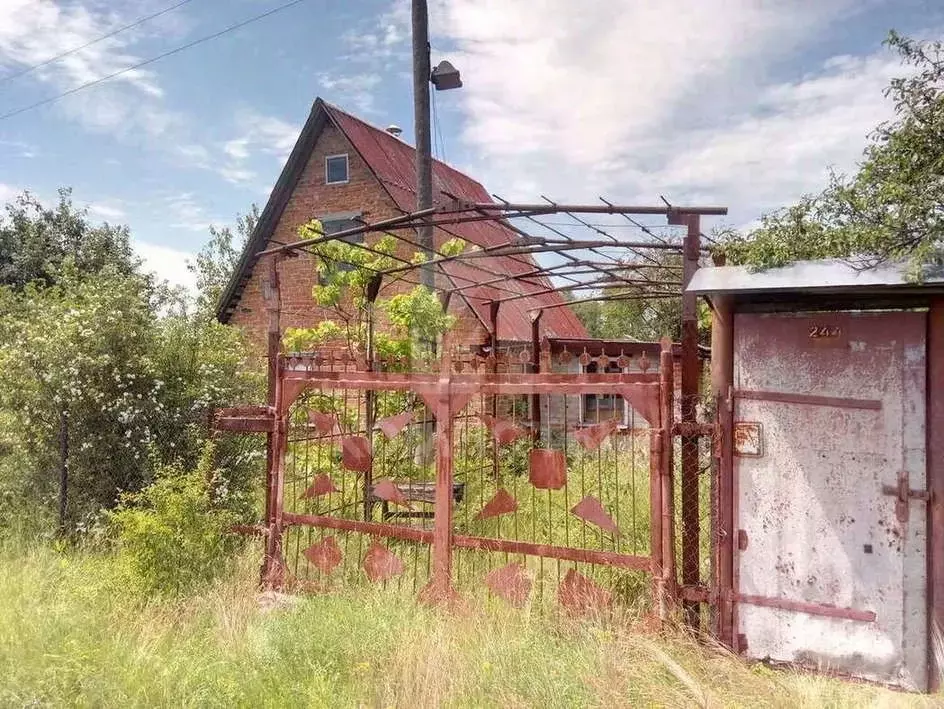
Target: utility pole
424	160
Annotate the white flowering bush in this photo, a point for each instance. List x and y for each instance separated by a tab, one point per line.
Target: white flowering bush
130	374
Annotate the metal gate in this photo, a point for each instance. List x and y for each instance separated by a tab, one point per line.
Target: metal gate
475	478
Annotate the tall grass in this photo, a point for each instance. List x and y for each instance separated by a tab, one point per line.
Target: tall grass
71	635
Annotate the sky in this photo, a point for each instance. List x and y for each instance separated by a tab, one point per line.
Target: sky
741	103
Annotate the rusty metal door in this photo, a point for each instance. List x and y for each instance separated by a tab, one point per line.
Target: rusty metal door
830	491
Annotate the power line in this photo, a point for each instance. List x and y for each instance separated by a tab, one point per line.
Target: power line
189	45
68	52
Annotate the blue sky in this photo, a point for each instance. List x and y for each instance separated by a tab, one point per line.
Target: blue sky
736	102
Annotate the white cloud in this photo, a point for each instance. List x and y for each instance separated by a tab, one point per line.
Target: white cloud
19	148
267	134
167	264
794	133
633	99
193	154
185	212
236	175
380	40
355	90
33	31
258	135
7	192
375	47
238	149
106	211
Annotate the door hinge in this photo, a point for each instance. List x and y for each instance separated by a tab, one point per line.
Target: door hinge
904	494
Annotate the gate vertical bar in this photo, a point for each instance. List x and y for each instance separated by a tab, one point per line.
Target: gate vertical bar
272	300
273	305
657	457
690	391
536	368
440	586
722	379
667	476
935	472
370	396
493	308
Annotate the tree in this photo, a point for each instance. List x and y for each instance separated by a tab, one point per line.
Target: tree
105	375
346	273
103	379
637	317
640	319
35	241
76	379
216	262
892	208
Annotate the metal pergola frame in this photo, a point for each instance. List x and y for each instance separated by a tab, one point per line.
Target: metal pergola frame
634	271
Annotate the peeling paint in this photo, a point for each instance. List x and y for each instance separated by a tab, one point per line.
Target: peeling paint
821	529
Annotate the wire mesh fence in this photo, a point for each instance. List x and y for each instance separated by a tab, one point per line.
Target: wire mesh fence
695	445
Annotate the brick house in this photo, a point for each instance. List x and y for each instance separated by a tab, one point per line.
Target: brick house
343	169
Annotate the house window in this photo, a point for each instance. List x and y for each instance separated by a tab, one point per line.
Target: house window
600	408
333	223
336	169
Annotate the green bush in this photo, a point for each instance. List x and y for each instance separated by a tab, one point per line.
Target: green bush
172	536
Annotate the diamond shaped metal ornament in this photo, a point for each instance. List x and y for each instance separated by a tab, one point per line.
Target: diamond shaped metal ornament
321	485
590	437
388	491
547	469
511	583
501	503
591	510
325	424
356	454
381	564
392	425
579	594
503	430
325	555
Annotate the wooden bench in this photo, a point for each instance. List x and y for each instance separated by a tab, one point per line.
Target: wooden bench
422	492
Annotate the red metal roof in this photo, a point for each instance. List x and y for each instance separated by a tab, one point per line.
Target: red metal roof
394	163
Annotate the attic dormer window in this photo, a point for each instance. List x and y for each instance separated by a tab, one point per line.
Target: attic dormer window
336	169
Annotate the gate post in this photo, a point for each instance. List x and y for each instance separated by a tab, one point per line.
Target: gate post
271	565
667	477
657	455
274	563
722	379
691	376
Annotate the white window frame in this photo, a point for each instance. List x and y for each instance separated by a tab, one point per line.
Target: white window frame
624	422
347	169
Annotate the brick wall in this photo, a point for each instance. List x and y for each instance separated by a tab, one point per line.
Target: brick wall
312	198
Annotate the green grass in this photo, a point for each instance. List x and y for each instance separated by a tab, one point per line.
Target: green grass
72	635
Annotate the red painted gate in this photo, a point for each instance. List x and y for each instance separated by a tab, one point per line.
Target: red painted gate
454	481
